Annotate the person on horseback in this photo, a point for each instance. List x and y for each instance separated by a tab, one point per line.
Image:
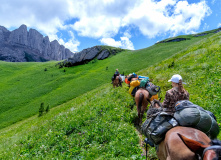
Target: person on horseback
175	94
117	73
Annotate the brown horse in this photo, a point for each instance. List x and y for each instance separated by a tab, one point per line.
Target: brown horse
116	82
187	143
141	99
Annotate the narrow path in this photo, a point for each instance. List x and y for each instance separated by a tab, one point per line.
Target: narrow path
141	142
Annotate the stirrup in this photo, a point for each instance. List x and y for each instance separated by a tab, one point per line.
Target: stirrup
147	141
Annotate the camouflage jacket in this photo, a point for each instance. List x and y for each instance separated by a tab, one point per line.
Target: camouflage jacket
172	96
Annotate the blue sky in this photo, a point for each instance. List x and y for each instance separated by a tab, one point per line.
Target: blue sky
129	24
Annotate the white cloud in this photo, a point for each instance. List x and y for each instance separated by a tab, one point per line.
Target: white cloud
219	25
110	42
100	19
97	26
46	16
71	44
159	17
124	43
104	18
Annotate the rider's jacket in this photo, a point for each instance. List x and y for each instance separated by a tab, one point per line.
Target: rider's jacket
172	96
117	73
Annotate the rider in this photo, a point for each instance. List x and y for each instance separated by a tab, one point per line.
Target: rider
176	93
117	73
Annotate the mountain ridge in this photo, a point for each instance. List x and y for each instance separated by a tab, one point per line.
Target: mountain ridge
21	45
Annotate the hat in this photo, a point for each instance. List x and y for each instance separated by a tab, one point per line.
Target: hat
175	78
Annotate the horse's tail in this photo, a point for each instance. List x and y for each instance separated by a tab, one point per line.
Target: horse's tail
141	97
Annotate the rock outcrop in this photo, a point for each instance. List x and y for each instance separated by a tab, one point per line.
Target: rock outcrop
86	55
21	45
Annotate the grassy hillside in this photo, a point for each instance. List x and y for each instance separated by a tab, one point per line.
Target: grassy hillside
99	124
96	125
24	86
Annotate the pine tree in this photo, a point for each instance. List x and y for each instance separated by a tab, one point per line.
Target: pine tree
41	110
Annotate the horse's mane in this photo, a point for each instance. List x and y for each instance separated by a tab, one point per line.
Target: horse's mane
152	111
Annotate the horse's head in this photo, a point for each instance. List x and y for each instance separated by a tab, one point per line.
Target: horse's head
205	152
154	108
156	104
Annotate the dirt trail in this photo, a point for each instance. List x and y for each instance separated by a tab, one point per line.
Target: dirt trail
141	142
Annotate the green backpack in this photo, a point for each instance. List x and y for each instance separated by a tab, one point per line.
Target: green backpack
144	82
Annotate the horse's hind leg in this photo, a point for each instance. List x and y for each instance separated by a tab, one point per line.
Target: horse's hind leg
140	112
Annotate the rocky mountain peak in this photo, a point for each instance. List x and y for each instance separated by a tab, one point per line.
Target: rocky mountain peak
21	45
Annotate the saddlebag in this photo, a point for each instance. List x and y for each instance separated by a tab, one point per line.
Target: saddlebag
190	115
156	126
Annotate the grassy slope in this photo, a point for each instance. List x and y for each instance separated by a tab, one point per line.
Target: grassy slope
98	125
24	86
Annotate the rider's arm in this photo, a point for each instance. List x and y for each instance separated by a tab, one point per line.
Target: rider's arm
187	96
166	101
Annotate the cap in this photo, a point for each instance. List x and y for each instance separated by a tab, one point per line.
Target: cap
175	78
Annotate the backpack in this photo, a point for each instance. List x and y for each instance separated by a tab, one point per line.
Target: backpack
144	82
152	89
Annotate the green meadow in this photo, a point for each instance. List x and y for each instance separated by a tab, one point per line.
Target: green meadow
88	119
24	86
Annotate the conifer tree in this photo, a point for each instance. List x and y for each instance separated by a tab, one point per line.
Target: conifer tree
41	110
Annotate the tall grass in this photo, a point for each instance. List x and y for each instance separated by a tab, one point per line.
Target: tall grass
96	125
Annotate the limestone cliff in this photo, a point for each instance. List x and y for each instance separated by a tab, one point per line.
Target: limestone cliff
21	45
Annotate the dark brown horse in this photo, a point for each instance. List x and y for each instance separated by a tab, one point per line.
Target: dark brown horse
187	143
116	82
142	99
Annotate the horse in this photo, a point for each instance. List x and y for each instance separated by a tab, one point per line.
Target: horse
142	99
186	143
116	82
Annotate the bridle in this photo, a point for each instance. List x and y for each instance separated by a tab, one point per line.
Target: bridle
216	148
